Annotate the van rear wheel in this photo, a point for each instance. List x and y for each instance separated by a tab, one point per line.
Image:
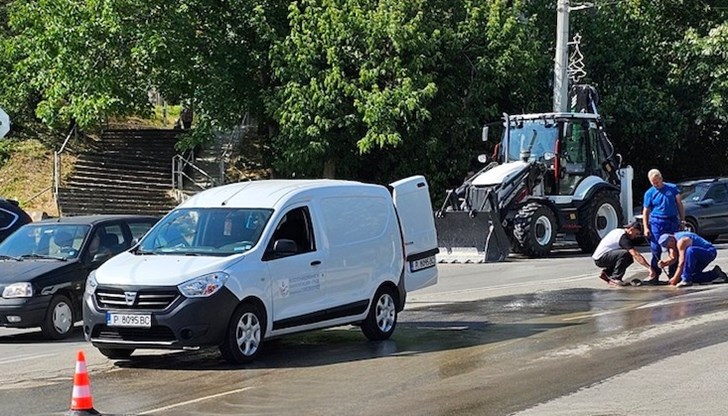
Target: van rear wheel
382	318
244	335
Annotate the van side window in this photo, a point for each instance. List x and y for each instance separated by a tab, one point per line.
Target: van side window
296	226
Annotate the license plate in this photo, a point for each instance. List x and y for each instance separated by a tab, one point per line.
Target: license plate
128	320
420	264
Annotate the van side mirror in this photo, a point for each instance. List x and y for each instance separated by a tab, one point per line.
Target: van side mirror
285	247
485	133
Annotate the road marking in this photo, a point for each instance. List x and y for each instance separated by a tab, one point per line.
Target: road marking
415	298
12	360
201	399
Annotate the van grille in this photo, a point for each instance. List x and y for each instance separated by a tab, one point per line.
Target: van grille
108	298
153	334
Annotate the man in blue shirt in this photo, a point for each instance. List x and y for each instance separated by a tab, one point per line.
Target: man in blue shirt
662	213
691	253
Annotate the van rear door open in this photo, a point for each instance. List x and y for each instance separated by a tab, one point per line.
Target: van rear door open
412	200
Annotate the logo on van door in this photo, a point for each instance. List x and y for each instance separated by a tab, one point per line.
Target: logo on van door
300	284
130	297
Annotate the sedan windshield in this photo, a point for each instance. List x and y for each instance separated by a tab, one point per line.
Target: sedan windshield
53	241
694	193
206	231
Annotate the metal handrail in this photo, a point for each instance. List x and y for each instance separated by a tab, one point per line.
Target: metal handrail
57	164
32	198
179	165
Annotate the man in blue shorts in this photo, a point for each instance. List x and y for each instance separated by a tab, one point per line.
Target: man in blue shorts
691	253
662	213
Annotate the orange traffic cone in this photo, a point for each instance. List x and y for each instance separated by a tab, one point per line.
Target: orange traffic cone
81	401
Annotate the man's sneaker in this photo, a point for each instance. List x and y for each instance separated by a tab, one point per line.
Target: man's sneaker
617	282
684	283
721	276
603	275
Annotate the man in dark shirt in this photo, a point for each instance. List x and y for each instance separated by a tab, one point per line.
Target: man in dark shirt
616	252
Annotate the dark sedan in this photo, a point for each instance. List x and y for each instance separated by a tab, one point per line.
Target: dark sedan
12	217
44	265
706	206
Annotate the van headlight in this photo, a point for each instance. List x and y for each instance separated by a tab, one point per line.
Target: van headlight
203	286
18	290
91	283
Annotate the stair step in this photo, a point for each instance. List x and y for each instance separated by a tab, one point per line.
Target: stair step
111	207
86	170
91	194
71	212
144	182
124	165
121	186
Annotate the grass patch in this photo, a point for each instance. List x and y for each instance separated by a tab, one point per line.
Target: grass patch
28	172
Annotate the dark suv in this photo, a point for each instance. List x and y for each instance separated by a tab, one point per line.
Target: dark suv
44	266
12	217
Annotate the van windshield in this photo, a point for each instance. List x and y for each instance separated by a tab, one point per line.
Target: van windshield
206	231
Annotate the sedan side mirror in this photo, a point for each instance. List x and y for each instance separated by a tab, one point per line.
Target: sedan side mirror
706	202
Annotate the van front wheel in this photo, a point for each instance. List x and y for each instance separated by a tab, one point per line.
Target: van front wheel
244	336
382	318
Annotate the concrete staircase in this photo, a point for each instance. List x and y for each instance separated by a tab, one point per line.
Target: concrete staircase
125	172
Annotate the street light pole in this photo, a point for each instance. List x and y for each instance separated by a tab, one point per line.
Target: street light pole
561	81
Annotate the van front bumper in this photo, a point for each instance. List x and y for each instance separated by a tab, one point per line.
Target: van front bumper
185	323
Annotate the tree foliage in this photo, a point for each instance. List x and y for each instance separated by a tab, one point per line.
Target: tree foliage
374	90
383	88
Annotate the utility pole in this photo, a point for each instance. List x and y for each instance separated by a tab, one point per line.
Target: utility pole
561	60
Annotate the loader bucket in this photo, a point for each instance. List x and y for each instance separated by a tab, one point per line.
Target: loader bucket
465	237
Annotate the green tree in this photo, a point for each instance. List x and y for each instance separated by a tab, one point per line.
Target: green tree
381	89
86	61
77	59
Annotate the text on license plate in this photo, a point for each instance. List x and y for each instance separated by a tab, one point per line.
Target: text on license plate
128	320
420	264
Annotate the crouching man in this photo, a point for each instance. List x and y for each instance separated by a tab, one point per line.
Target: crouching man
616	252
692	254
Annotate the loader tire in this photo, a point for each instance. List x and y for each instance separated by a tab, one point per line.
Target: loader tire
598	217
534	228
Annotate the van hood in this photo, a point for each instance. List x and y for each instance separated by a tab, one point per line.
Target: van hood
12	271
158	270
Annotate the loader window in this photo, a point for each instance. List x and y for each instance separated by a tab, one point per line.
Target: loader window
532	136
576	149
576	156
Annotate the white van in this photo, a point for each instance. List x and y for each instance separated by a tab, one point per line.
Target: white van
241	263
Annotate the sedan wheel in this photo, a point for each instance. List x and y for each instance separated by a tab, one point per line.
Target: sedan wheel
59	318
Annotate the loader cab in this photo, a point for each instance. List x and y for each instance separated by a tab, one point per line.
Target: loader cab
567	144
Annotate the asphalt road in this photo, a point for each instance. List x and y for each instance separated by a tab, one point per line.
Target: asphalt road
530	337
